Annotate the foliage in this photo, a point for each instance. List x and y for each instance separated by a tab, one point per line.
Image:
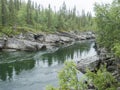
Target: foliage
51	88
103	80
108	23
68	79
21	14
116	49
9	31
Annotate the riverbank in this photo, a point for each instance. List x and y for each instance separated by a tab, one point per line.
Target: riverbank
110	60
36	42
103	57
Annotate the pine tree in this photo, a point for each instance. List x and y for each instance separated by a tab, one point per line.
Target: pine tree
29	13
17	4
36	16
49	17
4	12
12	14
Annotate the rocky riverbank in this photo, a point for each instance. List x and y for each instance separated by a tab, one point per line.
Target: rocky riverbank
112	63
103	58
36	42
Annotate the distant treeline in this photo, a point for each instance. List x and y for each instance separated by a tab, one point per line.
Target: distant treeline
18	13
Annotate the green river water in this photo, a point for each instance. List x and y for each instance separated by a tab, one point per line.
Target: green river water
34	70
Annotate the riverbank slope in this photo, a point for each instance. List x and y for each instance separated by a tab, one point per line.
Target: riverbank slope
35	42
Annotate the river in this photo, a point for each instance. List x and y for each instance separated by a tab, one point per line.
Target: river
34	70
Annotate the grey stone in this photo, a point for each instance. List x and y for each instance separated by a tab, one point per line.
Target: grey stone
23	45
27	41
65	39
118	88
1	43
51	38
86	63
111	68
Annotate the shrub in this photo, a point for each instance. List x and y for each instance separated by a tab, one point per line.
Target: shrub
68	79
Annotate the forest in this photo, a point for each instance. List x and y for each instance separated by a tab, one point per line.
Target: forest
108	26
18	14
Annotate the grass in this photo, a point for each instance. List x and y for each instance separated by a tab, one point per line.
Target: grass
10	31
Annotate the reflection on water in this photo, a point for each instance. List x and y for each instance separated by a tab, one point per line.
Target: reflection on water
73	52
8	70
12	64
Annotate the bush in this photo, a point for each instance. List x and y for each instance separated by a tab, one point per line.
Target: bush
68	79
116	49
8	31
102	79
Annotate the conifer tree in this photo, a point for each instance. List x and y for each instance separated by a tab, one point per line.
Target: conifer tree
12	14
29	13
4	12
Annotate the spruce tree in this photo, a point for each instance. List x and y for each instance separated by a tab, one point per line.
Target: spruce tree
29	13
4	13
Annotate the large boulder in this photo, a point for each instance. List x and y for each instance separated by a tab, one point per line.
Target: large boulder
87	63
82	37
51	38
65	39
23	45
118	88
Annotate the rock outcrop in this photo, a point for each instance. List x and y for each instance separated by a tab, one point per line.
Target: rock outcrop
33	42
104	58
87	63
